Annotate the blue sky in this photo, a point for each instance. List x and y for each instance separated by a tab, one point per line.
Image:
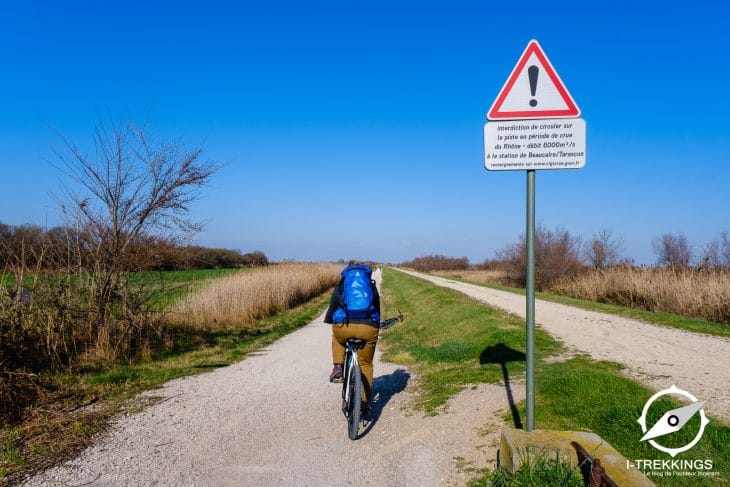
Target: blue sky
310	103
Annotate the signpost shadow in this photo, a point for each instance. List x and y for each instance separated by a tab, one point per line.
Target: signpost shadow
501	354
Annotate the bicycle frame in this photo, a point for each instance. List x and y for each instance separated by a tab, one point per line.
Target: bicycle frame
350	359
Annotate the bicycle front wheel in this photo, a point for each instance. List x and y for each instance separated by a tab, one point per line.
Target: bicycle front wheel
354	381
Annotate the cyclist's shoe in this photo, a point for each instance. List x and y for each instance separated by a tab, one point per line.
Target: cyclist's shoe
336	374
364	408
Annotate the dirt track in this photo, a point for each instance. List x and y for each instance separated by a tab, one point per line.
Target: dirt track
655	355
273	419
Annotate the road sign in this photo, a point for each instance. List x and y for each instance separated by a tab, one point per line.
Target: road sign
535	144
533	90
533	124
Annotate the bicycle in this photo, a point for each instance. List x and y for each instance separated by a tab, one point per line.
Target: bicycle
352	380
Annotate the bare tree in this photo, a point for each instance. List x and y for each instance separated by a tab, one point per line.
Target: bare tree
673	250
128	190
710	258
604	249
716	253
724	251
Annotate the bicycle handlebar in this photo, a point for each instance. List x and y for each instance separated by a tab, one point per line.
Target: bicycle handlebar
391	321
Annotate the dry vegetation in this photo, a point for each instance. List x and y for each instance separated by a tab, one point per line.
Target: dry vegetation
428	263
490	276
683	284
703	294
244	297
695	293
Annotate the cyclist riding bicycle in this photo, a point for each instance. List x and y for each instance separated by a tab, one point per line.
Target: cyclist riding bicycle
354	312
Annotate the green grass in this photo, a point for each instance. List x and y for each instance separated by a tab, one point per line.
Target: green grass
168	287
441	339
537	469
452	340
194	353
658	318
53	434
164	287
584	394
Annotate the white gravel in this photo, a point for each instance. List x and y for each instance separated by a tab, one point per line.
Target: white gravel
274	419
655	355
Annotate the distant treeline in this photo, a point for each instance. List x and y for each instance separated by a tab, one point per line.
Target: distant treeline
560	254
35	247
428	263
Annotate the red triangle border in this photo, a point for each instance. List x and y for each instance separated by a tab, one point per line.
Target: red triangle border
533	48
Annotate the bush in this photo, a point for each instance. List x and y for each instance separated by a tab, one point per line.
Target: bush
557	255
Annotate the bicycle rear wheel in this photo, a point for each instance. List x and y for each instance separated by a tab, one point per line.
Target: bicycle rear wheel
354	382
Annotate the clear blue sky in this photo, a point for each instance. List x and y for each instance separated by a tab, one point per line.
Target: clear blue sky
310	102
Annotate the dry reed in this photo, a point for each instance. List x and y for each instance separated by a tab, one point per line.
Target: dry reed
242	298
703	294
492	276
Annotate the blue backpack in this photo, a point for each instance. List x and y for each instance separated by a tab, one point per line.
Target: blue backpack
358	293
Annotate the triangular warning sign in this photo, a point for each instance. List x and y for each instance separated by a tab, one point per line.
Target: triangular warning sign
533	90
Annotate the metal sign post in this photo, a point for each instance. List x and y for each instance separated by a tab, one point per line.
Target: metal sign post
530	298
533	124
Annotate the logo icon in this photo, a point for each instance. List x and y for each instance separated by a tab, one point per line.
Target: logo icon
673	421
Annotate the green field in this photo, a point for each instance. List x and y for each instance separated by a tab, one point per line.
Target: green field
167	287
164	287
452	340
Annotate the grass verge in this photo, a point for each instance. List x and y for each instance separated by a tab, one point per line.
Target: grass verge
537	469
446	335
657	318
451	340
584	394
82	402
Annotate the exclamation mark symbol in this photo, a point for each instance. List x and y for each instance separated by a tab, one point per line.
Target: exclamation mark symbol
532	73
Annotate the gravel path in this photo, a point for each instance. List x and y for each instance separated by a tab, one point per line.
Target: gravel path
273	419
655	355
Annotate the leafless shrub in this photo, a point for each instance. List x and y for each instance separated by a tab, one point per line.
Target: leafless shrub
604	249
557	254
84	307
673	250
716	253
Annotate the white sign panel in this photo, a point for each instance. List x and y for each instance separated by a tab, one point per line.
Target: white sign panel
535	144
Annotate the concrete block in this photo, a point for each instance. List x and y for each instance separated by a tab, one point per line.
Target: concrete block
515	442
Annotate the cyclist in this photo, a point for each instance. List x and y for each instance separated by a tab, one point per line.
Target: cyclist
354	312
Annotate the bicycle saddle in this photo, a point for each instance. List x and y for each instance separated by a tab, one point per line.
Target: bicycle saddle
355	342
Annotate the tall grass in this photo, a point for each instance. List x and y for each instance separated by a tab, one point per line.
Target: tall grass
242	298
696	293
487	276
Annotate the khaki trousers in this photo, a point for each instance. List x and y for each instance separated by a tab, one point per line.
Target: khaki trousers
340	334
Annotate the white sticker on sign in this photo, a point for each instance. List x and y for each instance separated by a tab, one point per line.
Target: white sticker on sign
535	144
